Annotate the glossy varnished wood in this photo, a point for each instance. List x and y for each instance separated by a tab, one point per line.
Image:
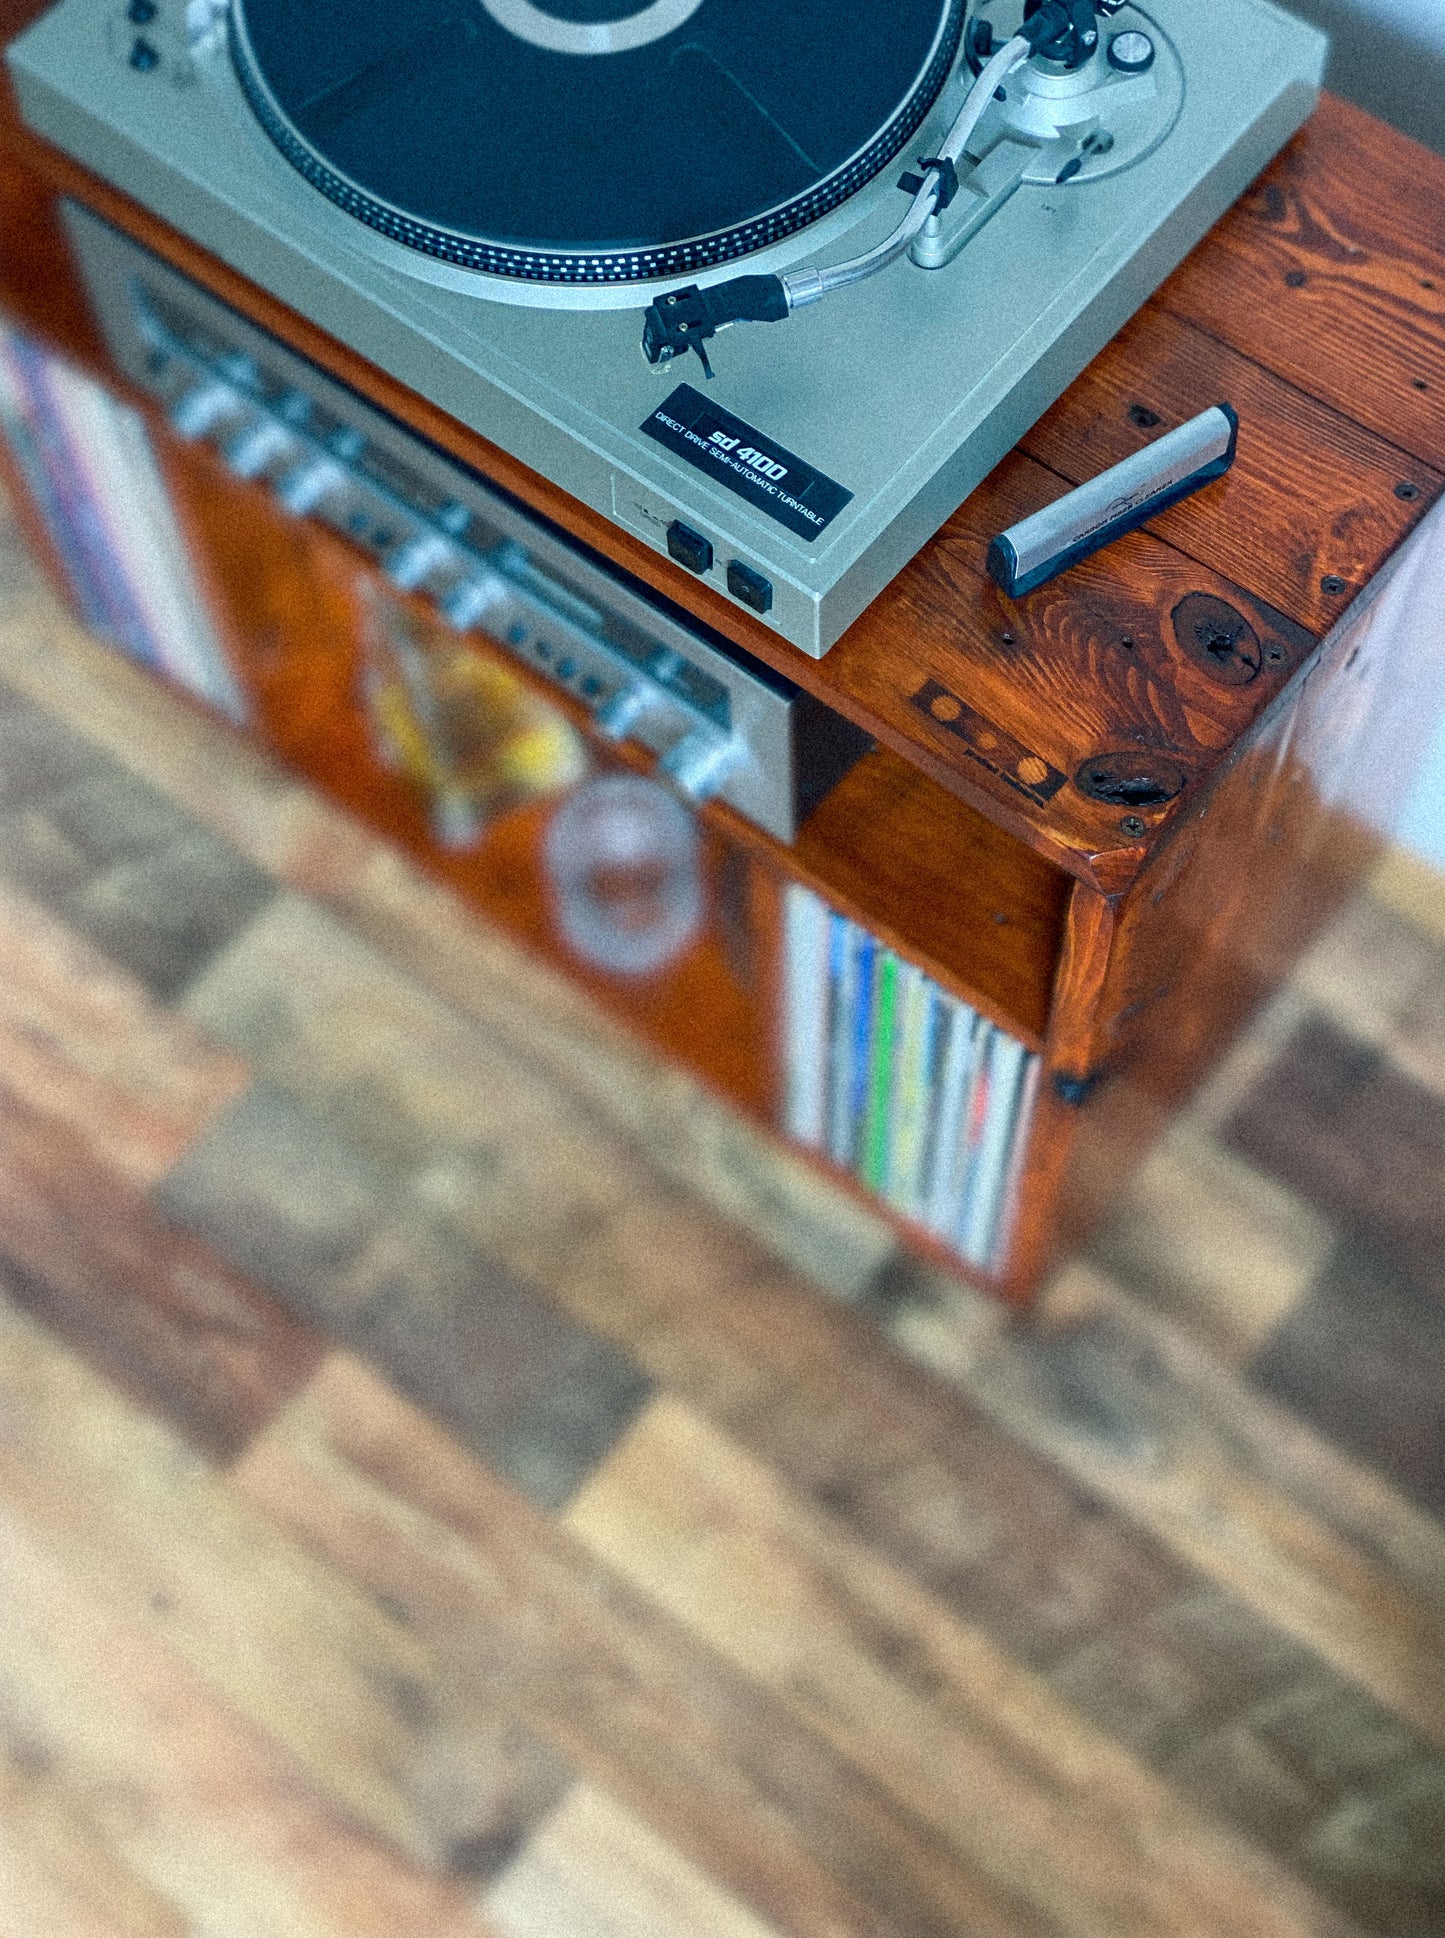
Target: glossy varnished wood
296	640
1317	495
958	839
872	674
1330	273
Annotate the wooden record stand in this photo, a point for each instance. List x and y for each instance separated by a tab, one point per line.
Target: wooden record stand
1125	939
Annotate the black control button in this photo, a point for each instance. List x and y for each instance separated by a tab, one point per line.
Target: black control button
144	55
750	586
688	547
142	12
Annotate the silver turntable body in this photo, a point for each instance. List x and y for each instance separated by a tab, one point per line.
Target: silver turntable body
829	448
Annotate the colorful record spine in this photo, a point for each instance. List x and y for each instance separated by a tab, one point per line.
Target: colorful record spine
92	475
900	1083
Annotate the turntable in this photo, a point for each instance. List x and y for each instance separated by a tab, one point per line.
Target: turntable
772	284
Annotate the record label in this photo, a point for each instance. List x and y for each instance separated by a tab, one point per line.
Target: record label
742	460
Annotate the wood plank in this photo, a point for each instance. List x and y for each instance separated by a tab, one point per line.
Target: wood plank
34	1902
83	1043
1331	273
1362	1359
938	1715
523	1116
594	1870
207	1812
1090	664
1312	494
755	1800
1369	972
1336	1123
1418	1045
1207	1241
429	933
712	1316
1315	1545
96	843
601	1086
1009	1544
204	767
405	1078
1412	888
349	1710
279	1194
296	596
163	911
161	1314
59	1876
940	883
872	674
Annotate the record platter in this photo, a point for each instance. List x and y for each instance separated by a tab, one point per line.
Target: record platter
772	284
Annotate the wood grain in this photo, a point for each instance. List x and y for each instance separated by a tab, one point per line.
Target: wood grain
1331	272
993	703
1317	495
932	877
210	773
1206	1238
937	1715
595	1870
208	1813
418	1776
1363	1359
1347	1132
154	1310
94	842
990	1530
770	1811
296	632
85	1045
1061	1628
870	675
428	932
1097	1403
59	1876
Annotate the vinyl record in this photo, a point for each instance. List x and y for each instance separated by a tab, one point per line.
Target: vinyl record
591	141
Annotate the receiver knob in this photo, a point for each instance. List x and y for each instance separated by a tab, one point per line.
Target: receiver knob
258	446
303	489
415	559
700	763
201	408
617	716
472	598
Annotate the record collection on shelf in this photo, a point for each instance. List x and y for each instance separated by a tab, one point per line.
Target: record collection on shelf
921	1099
91	473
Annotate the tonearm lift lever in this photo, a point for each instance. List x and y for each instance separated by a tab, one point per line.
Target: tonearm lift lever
1061	35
